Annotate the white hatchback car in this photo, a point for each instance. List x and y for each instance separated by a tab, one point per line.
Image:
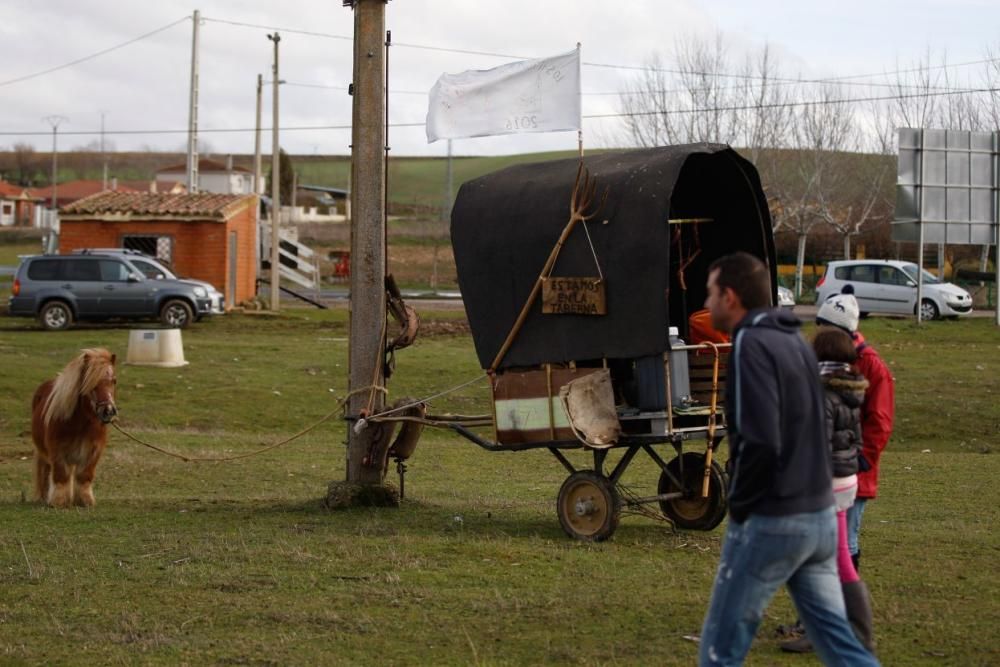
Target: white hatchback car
889	286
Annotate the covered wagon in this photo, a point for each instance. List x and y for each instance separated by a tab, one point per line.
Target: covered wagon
580	279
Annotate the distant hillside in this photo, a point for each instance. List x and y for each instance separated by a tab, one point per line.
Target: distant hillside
417	185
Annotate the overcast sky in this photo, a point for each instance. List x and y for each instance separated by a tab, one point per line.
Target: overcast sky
144	86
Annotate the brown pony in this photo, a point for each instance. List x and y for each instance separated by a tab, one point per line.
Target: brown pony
69	417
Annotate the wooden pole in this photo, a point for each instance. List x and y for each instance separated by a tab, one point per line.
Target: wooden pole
367	309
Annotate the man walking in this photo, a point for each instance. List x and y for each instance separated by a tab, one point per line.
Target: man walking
782	526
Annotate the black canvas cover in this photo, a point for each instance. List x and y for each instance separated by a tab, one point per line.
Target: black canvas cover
505	224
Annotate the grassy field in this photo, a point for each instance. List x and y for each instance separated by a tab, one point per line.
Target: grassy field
237	563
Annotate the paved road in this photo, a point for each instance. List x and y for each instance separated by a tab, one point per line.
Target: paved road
452	300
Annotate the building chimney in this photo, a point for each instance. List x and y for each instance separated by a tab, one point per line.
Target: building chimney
114	183
229	162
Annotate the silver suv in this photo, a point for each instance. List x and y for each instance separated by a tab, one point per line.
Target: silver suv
58	289
153	269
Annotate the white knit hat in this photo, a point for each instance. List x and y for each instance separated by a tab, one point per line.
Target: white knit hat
840	310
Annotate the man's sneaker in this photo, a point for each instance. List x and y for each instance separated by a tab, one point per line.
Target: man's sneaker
792	631
800	645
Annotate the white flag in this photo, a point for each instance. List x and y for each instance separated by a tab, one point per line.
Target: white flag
541	95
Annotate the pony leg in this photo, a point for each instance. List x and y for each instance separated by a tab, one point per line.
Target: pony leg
43	471
83	493
60	485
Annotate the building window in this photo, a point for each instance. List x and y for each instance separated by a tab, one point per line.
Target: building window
160	247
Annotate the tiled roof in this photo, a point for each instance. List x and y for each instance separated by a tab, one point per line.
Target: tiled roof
204	164
12	190
146	204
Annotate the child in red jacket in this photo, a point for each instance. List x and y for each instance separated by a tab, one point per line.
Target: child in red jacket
877	410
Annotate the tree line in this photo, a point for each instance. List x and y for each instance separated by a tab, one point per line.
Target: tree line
824	148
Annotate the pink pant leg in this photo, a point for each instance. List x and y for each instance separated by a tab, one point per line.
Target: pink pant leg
845	567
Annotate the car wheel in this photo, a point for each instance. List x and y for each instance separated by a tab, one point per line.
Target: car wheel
176	314
928	310
863	314
56	316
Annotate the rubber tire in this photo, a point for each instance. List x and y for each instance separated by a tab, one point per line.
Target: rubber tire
608	523
56	316
863	314
176	314
935	313
692	511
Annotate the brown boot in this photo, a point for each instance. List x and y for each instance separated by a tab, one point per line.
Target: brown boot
859	612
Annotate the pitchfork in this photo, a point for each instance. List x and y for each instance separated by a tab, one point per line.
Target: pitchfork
580	201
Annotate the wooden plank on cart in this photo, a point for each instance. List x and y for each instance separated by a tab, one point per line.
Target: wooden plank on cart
527	405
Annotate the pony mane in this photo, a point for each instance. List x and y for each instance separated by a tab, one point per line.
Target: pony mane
79	377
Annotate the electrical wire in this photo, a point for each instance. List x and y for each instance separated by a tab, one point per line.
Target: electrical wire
745	107
844	79
93	55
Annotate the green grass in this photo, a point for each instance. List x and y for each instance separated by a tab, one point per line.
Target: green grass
236	563
9	252
418	181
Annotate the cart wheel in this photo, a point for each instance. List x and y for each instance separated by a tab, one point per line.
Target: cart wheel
691	510
588	506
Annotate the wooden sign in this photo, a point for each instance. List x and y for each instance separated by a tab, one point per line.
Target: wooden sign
573	296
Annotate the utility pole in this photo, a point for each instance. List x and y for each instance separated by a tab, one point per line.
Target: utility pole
104	158
257	185
54	121
445	215
368	307
192	157
275	186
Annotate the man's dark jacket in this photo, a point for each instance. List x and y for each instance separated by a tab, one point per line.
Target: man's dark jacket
779	456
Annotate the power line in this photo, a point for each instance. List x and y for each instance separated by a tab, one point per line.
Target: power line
293	31
785	105
746	107
94	55
845	79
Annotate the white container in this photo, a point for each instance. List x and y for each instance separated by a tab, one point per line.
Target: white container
155	347
680	381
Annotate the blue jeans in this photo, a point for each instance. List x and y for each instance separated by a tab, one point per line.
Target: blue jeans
758	556
854	524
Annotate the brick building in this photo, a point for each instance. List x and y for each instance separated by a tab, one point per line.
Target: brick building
17	206
211	237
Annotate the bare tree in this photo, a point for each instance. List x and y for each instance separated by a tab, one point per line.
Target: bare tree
24	161
854	196
821	129
766	120
693	101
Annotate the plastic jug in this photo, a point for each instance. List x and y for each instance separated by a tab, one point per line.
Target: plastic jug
680	381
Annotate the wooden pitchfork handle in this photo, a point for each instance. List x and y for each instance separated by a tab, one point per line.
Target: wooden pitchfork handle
706	480
577	213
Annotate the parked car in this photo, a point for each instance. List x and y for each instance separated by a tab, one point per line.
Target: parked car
59	289
154	269
890	286
786	298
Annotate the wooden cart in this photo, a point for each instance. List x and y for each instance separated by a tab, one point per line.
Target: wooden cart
551	301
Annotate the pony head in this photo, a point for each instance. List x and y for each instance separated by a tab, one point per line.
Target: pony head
91	376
